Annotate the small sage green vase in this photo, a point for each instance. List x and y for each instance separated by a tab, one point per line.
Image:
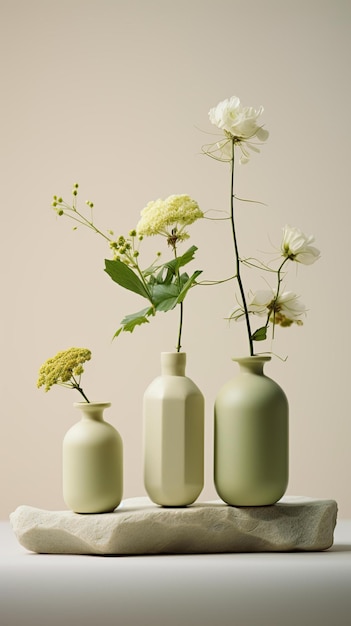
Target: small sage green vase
173	408
92	462
251	454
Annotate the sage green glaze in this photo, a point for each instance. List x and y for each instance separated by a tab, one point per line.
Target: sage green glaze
173	435
92	462
251	437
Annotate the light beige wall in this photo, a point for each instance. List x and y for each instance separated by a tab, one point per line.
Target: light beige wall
115	95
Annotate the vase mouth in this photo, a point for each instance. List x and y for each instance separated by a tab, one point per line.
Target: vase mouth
93	403
173	363
250	359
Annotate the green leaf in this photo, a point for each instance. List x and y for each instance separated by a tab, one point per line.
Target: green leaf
135	319
260	334
181	260
125	277
165	297
164	276
188	284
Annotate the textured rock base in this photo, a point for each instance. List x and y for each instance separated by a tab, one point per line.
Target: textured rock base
140	527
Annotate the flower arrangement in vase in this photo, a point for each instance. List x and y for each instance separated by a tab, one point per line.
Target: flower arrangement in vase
250	438
173	405
92	454
251	448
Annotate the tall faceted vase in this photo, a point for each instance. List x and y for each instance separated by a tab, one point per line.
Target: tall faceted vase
173	410
92	462
251	454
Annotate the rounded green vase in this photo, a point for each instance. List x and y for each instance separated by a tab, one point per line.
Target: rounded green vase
92	462
251	437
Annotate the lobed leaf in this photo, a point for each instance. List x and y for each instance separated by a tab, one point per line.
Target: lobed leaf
180	261
165	297
129	322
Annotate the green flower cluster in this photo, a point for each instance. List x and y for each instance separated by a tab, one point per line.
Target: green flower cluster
65	369
169	217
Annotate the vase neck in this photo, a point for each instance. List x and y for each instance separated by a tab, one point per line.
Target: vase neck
173	363
252	364
92	410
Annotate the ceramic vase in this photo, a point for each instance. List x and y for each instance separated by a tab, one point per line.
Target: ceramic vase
92	462
173	413
251	437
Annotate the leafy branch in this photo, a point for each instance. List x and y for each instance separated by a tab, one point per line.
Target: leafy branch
163	286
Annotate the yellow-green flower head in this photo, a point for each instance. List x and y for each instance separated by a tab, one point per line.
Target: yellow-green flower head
160	216
59	369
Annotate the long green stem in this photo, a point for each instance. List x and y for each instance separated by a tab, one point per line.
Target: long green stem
237	257
277	293
181	311
279	276
180	326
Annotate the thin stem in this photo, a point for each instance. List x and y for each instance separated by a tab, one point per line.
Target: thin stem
81	219
181	311
215	282
277	292
83	394
142	278
180	326
75	384
237	257
279	276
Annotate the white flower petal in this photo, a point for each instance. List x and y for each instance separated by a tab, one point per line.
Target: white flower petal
296	246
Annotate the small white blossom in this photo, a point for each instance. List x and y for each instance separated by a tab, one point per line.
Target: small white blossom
283	310
297	246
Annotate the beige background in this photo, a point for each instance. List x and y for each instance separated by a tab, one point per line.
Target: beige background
115	95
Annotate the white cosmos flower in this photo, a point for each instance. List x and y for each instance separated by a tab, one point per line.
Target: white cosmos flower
284	310
237	122
297	246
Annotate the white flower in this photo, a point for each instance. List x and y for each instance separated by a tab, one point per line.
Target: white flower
296	246
239	121
260	301
284	310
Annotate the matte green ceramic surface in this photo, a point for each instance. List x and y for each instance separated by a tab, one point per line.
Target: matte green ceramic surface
251	438
173	435
92	462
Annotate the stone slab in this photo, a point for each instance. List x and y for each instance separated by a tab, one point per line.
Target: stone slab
138	526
